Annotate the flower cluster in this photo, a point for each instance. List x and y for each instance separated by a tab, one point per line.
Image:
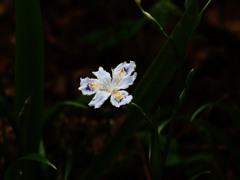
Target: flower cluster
105	86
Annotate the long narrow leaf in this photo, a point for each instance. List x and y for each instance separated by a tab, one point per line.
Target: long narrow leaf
200	174
155	153
54	110
151	86
29	70
29	77
16	169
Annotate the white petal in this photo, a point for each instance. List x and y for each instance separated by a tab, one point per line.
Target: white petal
103	76
89	86
99	99
124	69
127	81
120	98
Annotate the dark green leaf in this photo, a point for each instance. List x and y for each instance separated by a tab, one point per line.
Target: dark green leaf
187	3
185	90
140	110
155	153
200	109
54	110
151	86
29	76
68	167
196	176
205	7
16	169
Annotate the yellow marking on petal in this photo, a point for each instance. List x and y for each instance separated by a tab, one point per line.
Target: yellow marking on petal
92	85
121	72
119	95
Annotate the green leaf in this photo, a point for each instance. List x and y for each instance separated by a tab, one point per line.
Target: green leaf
140	110
200	109
29	71
161	11
196	176
73	103
185	90
198	157
16	169
205	7
155	153
68	168
24	111
29	77
52	111
162	125
151	86
187	3
167	61
232	111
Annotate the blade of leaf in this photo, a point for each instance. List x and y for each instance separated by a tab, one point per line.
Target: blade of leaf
167	61
29	70
200	109
29	77
140	110
196	176
73	103
52	111
186	3
205	7
155	153
68	167
15	170
159	73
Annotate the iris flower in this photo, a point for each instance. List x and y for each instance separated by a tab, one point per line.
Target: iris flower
105	86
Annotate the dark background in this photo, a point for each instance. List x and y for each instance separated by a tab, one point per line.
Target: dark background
80	36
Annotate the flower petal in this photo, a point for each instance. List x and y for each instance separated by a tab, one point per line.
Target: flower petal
88	86
103	76
99	99
124	69
120	98
127	81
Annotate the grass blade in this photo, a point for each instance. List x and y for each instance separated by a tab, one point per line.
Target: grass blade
16	169
196	176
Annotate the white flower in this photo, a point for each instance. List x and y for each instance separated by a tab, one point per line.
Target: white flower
105	85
